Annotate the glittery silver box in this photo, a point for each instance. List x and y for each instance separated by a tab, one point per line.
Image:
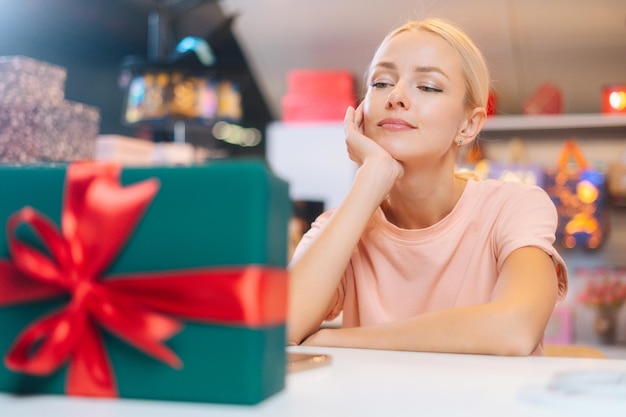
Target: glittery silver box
36	123
27	81
61	133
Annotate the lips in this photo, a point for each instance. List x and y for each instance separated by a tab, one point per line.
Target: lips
395	124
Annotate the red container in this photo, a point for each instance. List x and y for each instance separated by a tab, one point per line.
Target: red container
547	99
317	95
303	108
320	83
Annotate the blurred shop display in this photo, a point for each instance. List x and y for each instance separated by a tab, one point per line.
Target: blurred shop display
192	88
616	182
517	168
37	124
547	99
317	95
167	94
605	293
578	192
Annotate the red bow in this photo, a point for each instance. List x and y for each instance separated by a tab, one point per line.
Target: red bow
97	218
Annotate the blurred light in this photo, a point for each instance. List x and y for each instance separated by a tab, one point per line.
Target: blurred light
614	99
221	130
199	46
617	100
587	192
236	135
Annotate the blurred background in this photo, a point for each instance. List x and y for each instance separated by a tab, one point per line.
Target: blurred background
578	45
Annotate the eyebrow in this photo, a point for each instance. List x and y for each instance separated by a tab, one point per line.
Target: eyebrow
418	69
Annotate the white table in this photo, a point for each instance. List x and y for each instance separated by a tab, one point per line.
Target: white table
379	383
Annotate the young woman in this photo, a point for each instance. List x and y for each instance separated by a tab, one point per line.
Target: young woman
417	257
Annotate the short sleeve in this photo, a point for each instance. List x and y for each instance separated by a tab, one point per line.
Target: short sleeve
304	244
529	218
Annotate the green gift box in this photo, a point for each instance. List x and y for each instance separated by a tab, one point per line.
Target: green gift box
227	215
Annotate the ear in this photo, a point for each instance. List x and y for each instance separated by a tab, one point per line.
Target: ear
472	126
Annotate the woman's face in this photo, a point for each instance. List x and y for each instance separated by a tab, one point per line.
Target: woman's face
415	102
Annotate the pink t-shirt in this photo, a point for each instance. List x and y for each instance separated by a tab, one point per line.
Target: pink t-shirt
398	273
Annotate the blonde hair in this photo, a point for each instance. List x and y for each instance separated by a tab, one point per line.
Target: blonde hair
475	71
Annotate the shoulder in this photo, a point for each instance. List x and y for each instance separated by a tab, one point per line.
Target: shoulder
502	187
511	203
312	232
522	214
492	191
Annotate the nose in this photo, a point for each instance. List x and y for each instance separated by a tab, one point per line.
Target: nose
397	98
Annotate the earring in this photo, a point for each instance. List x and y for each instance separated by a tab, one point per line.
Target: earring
459	143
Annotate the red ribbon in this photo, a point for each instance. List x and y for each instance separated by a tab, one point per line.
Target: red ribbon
98	216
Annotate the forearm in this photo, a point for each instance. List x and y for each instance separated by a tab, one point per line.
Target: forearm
315	275
482	329
512	322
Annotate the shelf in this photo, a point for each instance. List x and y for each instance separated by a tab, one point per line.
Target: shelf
550	122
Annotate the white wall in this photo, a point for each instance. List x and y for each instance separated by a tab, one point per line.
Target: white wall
312	157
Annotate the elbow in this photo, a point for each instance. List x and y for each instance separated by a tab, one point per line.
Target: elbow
518	335
296	334
517	345
292	343
293	339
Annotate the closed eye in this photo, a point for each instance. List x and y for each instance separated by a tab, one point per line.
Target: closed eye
380	84
430	89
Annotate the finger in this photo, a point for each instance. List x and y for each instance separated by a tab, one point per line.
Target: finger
358	115
349	118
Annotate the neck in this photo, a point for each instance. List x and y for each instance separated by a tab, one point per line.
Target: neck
417	203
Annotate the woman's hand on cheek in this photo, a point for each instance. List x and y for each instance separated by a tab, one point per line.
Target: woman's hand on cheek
361	148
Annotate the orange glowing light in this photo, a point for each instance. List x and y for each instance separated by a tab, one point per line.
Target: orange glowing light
587	192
